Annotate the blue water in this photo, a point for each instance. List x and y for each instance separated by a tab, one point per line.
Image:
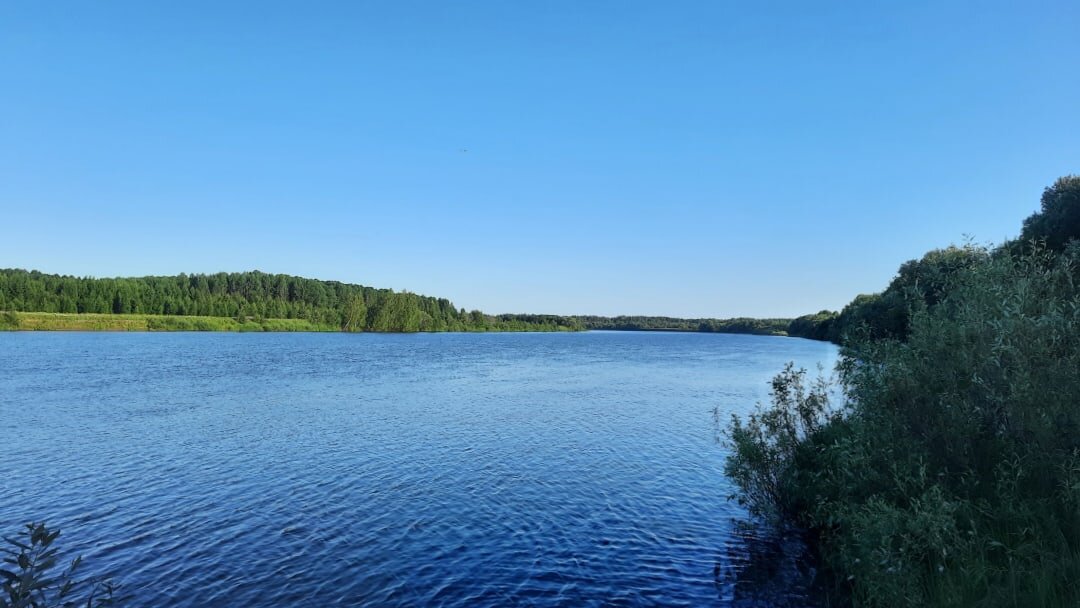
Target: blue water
386	470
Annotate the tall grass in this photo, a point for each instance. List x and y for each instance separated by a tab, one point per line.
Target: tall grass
45	321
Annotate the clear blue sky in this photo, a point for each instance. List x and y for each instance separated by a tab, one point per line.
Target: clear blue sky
679	158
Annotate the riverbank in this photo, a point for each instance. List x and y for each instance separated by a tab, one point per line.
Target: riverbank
948	474
53	321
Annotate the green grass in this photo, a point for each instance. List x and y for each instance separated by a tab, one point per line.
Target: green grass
50	321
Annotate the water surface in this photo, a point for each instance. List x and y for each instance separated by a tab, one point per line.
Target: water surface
387	470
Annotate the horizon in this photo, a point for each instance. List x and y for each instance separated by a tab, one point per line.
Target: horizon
433	295
706	162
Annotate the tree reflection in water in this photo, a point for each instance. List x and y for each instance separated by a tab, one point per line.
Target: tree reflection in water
765	566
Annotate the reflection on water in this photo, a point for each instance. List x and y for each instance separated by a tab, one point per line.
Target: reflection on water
456	470
766	566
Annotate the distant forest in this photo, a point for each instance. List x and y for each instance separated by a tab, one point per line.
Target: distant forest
257	296
768	327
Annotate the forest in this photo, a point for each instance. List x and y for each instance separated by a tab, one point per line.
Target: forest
941	465
768	327
252	299
257	301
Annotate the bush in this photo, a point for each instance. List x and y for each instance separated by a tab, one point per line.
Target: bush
32	576
763	448
9	320
952	475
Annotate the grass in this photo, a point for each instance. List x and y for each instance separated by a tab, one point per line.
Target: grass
51	321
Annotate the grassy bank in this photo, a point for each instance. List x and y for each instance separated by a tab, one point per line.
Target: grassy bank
49	321
53	321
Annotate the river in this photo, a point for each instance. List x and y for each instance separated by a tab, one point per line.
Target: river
568	469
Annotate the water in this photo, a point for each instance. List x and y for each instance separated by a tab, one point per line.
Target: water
387	470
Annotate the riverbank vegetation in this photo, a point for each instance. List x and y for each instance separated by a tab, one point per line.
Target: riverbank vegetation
766	327
246	301
256	301
943	468
54	321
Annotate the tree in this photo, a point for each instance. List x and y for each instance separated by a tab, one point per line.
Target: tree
397	312
354	317
1059	220
476	319
929	277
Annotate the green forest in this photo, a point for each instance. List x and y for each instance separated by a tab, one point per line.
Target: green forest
940	466
252	299
768	327
256	301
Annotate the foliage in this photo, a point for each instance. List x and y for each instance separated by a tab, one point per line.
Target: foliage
817	326
885	315
48	321
398	312
252	301
354	315
952	475
742	325
763	448
1058	221
525	322
9	320
33	578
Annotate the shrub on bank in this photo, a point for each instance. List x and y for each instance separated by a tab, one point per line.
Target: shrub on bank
951	475
9	320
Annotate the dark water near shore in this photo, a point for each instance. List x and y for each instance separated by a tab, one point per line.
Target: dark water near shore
389	470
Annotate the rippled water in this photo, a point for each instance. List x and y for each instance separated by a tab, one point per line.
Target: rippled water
389	470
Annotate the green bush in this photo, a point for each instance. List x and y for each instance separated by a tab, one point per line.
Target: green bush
952	475
764	447
9	320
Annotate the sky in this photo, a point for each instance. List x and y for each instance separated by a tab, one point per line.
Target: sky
696	159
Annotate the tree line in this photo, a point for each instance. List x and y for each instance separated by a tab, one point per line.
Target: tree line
923	282
257	296
742	325
948	474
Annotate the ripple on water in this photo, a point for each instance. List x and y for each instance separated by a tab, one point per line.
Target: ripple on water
454	470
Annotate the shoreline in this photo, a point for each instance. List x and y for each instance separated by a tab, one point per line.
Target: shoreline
122	323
